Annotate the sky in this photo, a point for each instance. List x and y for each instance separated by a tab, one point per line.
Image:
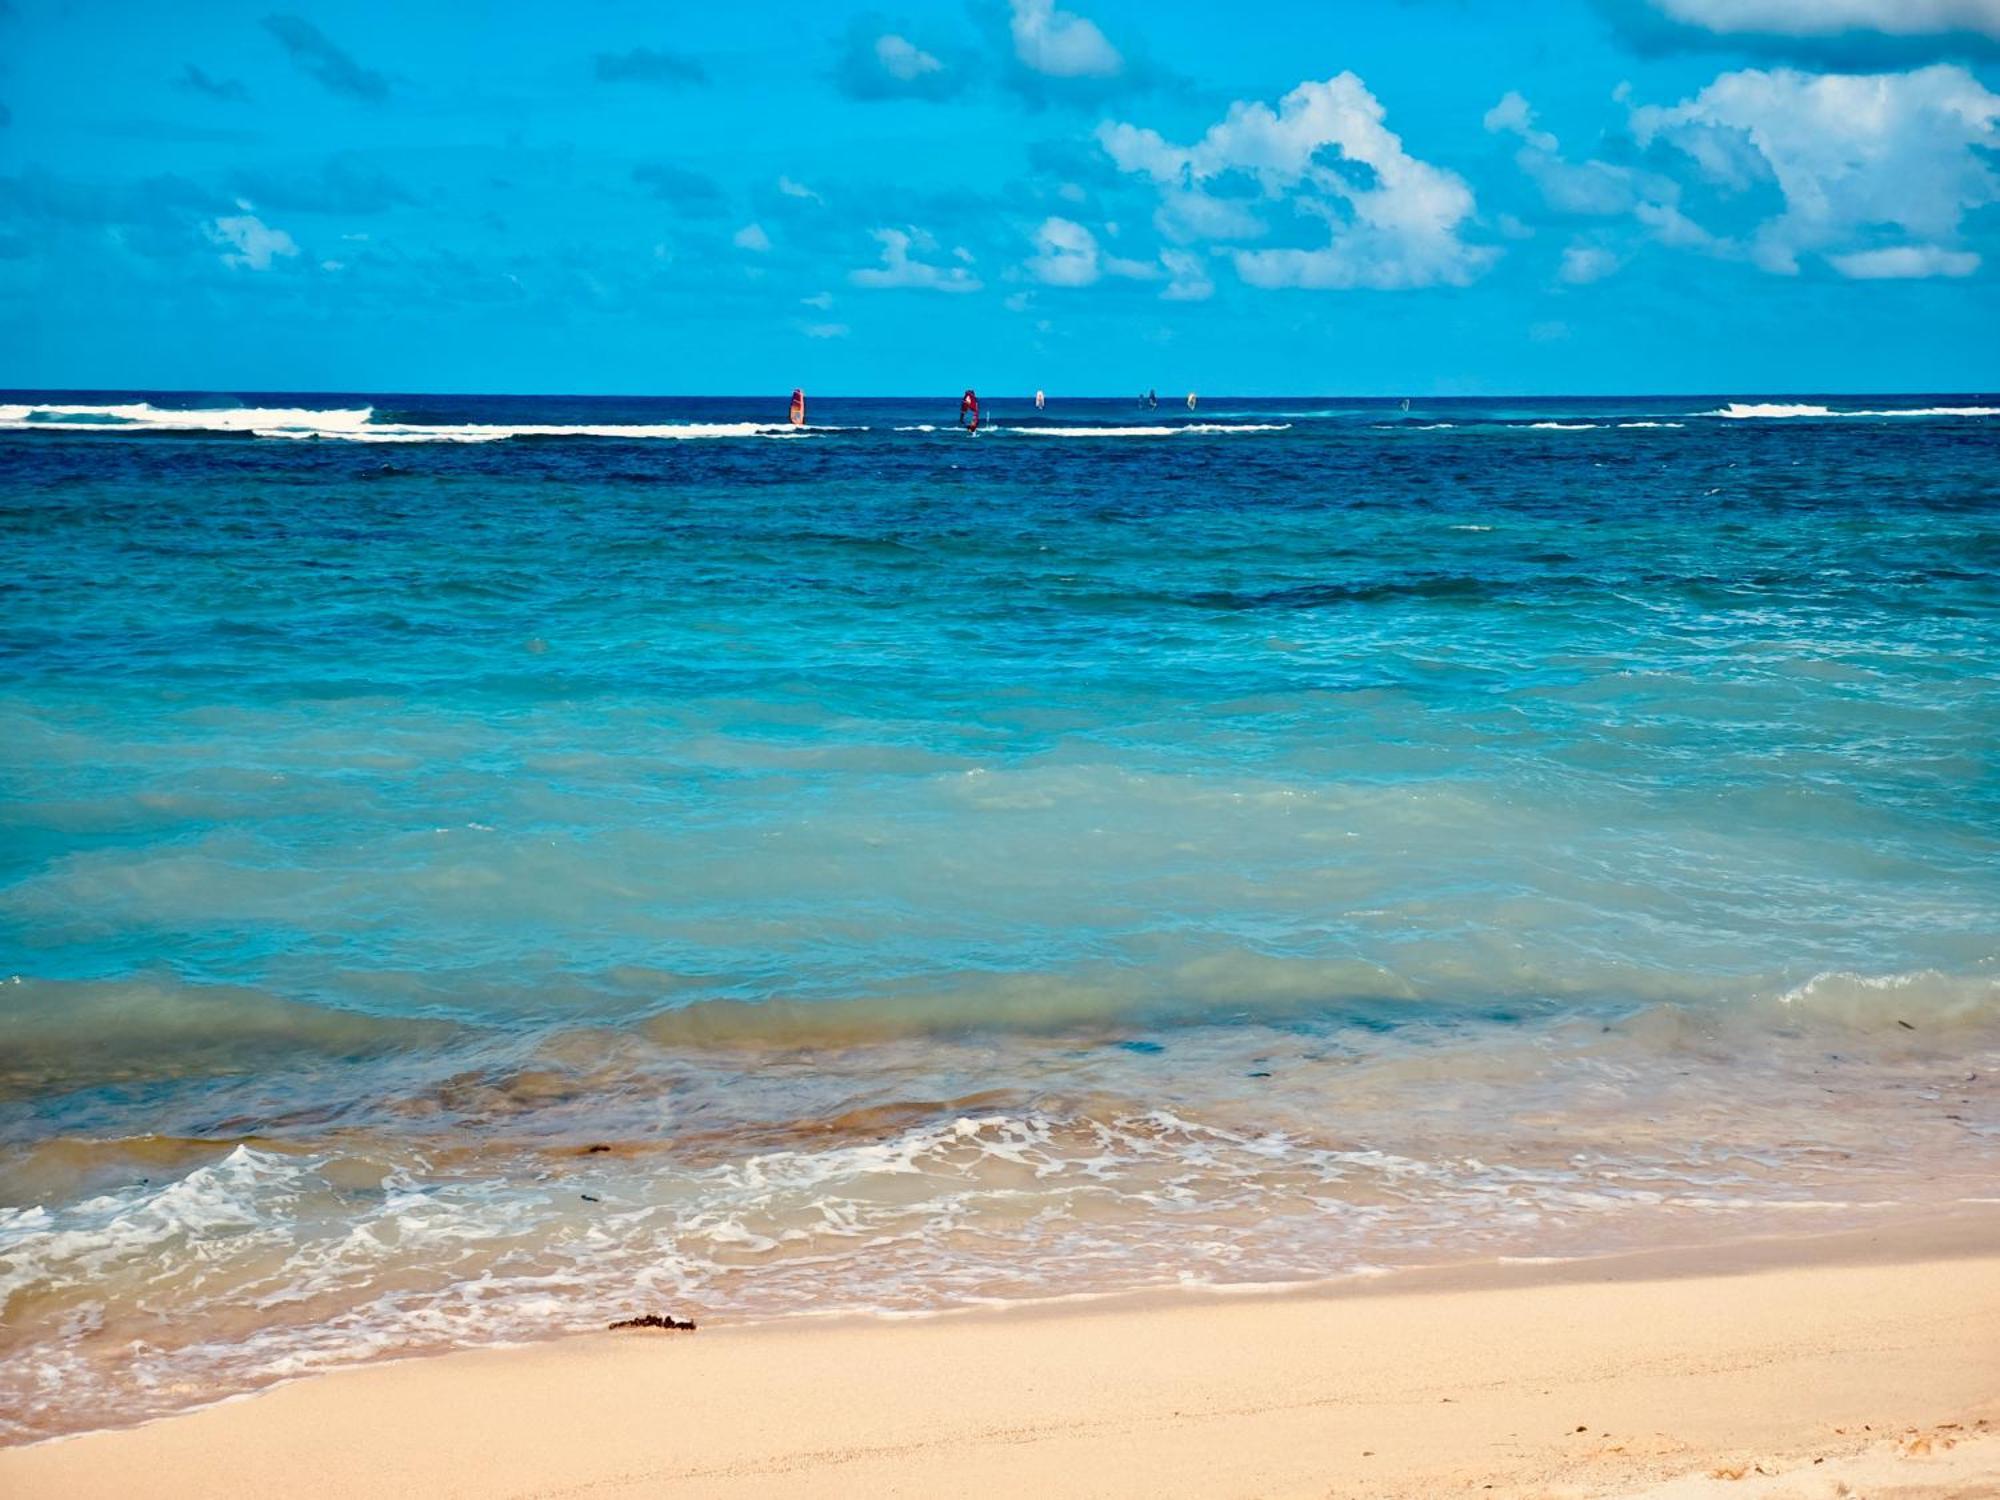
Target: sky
1397	197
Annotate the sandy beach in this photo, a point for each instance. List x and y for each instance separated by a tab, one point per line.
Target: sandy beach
1771	1369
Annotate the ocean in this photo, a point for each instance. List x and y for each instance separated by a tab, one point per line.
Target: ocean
474	868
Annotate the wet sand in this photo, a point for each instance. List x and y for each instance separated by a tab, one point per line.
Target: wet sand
1774	1369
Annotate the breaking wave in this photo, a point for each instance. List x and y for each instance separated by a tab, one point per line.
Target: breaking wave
1161	430
358	425
1741	410
1230	1156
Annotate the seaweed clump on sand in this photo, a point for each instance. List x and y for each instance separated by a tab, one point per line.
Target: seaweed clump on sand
654	1320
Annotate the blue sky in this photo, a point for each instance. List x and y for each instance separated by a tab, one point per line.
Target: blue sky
1092	196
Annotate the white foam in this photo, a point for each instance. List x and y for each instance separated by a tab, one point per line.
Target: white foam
1564	426
1158	431
358	425
341	421
1740	410
1932	411
1652	424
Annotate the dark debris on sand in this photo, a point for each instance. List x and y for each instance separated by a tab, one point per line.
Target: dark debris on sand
654	1320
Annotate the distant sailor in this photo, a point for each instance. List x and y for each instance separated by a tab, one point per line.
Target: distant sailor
1152	400
1190	400
968	412
798	407
1039	400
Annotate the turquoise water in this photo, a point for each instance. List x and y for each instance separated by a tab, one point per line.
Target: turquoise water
471	866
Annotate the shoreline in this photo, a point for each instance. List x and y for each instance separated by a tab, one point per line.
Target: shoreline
1839	1354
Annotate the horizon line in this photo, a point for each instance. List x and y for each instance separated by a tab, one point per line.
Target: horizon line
1028	395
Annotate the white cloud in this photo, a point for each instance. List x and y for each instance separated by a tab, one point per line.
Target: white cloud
1189	280
900	269
792	189
751	237
825	330
252	243
1853	155
820	300
1514	113
1058	44
903	60
1592	188
1065	254
1391	220
1905	263
1582	264
1673	228
1830	17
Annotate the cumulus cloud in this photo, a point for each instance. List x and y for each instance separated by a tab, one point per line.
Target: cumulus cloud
899	268
1905	263
1059	44
824	330
1067	254
903	60
1850	35
1389	219
249	243
1601	190
1897	156
649	65
1582	264
315	54
880	60
1188	278
751	237
1514	113
1829	17
792	189
1587	189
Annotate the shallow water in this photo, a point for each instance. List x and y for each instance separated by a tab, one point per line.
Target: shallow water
469	868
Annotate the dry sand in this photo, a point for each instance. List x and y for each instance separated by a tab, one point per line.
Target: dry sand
1769	1371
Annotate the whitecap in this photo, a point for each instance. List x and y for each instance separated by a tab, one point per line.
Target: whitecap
1740	410
1156	431
358	424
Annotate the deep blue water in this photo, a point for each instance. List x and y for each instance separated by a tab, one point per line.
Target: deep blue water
1300	807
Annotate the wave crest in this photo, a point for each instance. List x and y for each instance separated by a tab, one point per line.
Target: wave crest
358	425
1743	410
